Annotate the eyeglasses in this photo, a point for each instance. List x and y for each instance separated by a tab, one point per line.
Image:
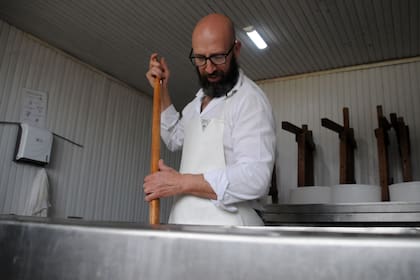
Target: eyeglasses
216	59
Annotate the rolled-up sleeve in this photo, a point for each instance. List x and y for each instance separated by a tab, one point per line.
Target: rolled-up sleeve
251	158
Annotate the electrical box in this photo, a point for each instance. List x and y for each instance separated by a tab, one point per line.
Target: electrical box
33	145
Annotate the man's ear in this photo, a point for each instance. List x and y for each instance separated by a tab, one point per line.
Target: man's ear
237	48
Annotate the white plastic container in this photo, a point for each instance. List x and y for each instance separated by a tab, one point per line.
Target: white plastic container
355	193
310	195
407	191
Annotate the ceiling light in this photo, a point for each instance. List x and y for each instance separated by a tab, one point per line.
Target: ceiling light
255	37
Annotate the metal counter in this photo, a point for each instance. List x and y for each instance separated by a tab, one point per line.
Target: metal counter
64	249
363	214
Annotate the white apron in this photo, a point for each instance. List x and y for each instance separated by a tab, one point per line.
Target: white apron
202	151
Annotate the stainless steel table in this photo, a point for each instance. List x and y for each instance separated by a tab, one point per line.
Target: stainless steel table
64	249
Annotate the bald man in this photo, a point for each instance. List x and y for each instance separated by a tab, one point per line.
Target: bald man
227	135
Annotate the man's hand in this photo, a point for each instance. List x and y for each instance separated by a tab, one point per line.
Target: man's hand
168	182
158	69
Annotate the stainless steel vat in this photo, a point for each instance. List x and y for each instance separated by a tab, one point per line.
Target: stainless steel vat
65	249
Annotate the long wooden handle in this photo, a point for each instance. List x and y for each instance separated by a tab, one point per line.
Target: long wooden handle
154	207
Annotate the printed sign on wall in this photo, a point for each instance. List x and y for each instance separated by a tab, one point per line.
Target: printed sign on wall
34	107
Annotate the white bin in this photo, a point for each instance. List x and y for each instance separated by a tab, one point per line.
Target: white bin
310	195
408	191
355	193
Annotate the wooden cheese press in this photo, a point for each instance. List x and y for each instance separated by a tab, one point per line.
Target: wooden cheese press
403	139
347	146
306	148
382	140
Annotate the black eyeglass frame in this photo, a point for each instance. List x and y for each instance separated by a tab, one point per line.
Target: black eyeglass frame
211	57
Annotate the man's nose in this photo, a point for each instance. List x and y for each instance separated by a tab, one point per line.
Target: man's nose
210	67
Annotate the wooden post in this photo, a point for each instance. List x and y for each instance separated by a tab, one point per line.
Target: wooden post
382	141
309	157
154	205
403	138
273	188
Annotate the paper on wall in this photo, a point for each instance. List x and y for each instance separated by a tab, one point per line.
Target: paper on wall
34	107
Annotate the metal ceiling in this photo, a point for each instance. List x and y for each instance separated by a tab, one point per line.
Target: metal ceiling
303	35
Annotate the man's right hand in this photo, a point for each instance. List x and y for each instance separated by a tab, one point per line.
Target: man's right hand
158	69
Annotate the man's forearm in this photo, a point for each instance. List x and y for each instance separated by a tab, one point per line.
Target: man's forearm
196	185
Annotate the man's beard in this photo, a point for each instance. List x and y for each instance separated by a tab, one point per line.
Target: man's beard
224	85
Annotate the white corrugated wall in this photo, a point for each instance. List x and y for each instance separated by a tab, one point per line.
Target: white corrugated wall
102	180
307	99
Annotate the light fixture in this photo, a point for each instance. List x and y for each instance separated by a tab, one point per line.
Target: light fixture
255	37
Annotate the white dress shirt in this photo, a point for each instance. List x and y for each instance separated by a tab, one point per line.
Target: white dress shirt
249	141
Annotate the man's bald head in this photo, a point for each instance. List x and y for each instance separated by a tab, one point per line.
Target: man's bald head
213	28
214	35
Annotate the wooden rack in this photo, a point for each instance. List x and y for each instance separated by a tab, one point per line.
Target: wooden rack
382	141
403	139
347	146
306	148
